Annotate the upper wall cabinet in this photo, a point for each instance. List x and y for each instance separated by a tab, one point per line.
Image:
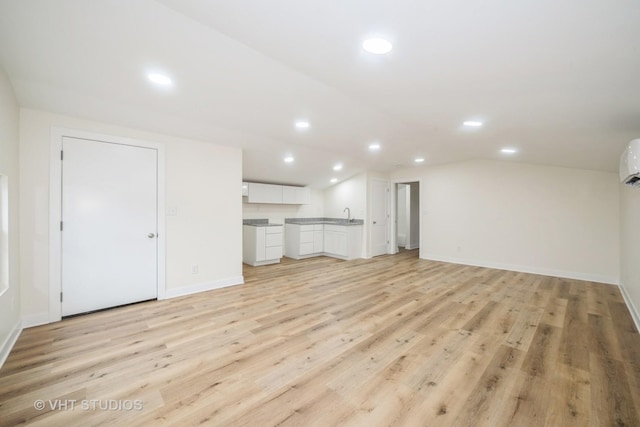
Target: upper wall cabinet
296	195
278	194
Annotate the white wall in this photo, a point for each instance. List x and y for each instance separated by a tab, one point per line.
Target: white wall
351	193
277	213
10	324
630	248
540	219
202	181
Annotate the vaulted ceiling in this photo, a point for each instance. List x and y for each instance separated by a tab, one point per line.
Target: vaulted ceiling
558	81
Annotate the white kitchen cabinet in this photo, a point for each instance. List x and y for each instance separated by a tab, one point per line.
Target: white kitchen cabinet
261	245
343	241
338	241
296	195
302	241
264	193
276	194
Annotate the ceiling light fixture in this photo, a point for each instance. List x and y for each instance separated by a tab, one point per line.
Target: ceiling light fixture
337	167
508	151
374	147
377	46
289	159
159	79
419	159
334	180
302	125
472	123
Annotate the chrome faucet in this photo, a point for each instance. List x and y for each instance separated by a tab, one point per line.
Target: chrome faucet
348	211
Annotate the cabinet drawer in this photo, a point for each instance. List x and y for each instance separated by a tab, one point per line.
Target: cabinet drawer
273	252
274	229
273	240
308	227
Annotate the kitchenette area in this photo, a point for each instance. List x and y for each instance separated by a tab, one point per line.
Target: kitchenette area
274	227
299	238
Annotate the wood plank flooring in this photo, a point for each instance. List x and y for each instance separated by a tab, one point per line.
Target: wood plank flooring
390	341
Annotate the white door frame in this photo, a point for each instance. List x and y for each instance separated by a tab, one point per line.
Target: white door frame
394	212
55	210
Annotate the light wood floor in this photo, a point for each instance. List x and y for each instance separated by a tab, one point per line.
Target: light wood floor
391	341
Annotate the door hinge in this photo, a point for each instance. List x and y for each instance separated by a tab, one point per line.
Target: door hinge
61	155
60	296
60	225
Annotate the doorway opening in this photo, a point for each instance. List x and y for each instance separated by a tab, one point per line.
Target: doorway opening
407	216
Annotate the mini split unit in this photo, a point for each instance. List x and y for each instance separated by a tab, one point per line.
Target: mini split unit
630	164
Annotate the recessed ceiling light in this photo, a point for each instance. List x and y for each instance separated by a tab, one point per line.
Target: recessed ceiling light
337	167
159	79
289	159
302	125
472	123
419	159
374	147
334	180
377	46
508	151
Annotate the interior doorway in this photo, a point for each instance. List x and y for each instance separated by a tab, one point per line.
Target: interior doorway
407	215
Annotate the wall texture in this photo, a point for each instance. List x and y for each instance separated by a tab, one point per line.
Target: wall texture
203	182
539	219
10	324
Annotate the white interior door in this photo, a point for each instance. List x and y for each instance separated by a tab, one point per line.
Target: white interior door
379	217
109	225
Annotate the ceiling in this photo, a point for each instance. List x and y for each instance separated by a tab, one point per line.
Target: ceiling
558	81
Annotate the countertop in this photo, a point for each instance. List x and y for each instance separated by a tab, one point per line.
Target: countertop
331	221
259	223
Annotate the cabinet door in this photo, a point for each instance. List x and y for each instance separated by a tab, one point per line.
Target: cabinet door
318	241
335	242
296	195
341	244
260	244
264	193
330	242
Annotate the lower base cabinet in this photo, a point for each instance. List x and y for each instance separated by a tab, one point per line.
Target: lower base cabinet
309	240
261	245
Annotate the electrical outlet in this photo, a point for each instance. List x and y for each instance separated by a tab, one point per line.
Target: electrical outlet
195	269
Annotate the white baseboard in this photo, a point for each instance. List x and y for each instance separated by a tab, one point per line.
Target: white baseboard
9	342
411	247
632	308
203	287
35	320
526	269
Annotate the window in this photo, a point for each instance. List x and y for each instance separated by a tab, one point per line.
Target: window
4	234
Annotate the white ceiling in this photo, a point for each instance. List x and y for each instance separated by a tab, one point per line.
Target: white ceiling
558	80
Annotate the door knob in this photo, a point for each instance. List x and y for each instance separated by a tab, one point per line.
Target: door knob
151	235
374	222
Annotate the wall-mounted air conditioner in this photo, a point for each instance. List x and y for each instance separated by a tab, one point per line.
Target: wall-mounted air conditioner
630	164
